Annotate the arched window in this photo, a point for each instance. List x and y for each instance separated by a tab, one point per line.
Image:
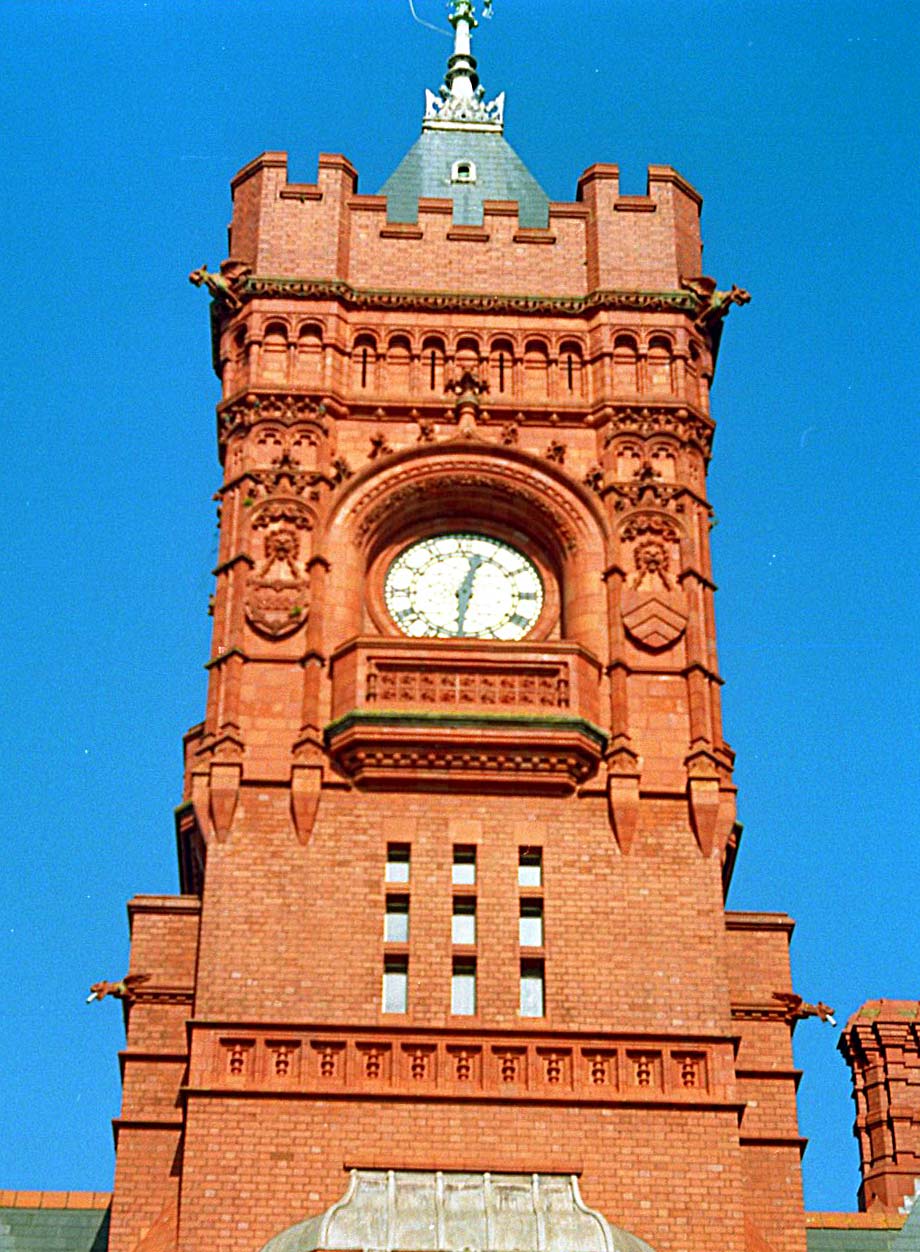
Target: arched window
501	366
571	368
625	359
275	353
364	362
399	361
659	365
693	375
433	355
629	461
237	362
463	172
536	370
269	445
467	356
308	362
664	461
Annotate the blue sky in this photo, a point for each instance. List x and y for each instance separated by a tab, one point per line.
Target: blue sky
124	123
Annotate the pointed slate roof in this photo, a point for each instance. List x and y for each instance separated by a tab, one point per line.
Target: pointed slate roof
462	154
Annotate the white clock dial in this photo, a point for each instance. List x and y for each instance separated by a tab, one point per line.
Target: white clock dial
463	586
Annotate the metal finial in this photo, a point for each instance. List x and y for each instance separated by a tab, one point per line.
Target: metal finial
461	100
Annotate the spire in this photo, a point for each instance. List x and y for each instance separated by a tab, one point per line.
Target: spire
460	103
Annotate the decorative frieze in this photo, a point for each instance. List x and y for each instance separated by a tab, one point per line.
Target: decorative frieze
391	683
348	1063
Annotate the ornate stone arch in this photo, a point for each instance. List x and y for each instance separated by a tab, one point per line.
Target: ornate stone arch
505	492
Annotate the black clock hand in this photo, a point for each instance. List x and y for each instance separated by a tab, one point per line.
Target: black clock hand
465	591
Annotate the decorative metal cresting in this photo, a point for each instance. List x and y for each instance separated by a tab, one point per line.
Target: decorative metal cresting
460	103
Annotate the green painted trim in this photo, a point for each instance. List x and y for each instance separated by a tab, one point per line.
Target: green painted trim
434	301
464	721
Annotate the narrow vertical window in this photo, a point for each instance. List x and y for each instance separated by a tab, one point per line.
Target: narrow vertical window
501	371
570	371
463	987
396	920
397	862
463	872
532	989
433	367
531	924
364	367
395	984
463	921
530	867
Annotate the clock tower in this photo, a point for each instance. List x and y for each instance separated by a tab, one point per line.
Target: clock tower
451	966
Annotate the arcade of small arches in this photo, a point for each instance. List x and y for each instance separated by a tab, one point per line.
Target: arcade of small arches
518	367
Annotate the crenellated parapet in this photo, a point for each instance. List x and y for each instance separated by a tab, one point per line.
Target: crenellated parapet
601	241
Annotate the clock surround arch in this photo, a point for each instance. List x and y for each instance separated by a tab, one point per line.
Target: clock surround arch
488	489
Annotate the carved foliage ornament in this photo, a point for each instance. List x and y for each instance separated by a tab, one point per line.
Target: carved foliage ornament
653	606
647	423
277	598
244	411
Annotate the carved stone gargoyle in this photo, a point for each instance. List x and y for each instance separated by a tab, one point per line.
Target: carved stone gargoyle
714	305
796	1008
122	990
223	286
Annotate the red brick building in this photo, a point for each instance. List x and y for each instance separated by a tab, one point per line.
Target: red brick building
451	966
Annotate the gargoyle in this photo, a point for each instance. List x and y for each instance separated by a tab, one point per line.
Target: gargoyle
797	1009
714	304
221	286
123	990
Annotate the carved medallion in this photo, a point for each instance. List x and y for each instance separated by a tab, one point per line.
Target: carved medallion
654	607
278	590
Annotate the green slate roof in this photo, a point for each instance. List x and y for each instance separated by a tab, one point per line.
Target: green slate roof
830	1239
54	1230
856	1240
426	168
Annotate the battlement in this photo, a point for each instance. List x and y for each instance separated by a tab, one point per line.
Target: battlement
327	230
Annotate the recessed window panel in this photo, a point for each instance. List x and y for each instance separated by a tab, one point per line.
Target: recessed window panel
463	989
397	862
463	873
530	867
396	985
396	920
531	924
532	989
463	921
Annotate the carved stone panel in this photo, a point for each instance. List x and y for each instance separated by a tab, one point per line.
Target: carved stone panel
654	607
278	589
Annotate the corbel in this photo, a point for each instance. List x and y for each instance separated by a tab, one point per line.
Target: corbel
306	784
623	774
704	796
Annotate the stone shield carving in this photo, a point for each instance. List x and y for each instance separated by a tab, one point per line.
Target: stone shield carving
654	607
277	599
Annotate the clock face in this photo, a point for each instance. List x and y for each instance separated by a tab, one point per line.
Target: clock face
463	587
